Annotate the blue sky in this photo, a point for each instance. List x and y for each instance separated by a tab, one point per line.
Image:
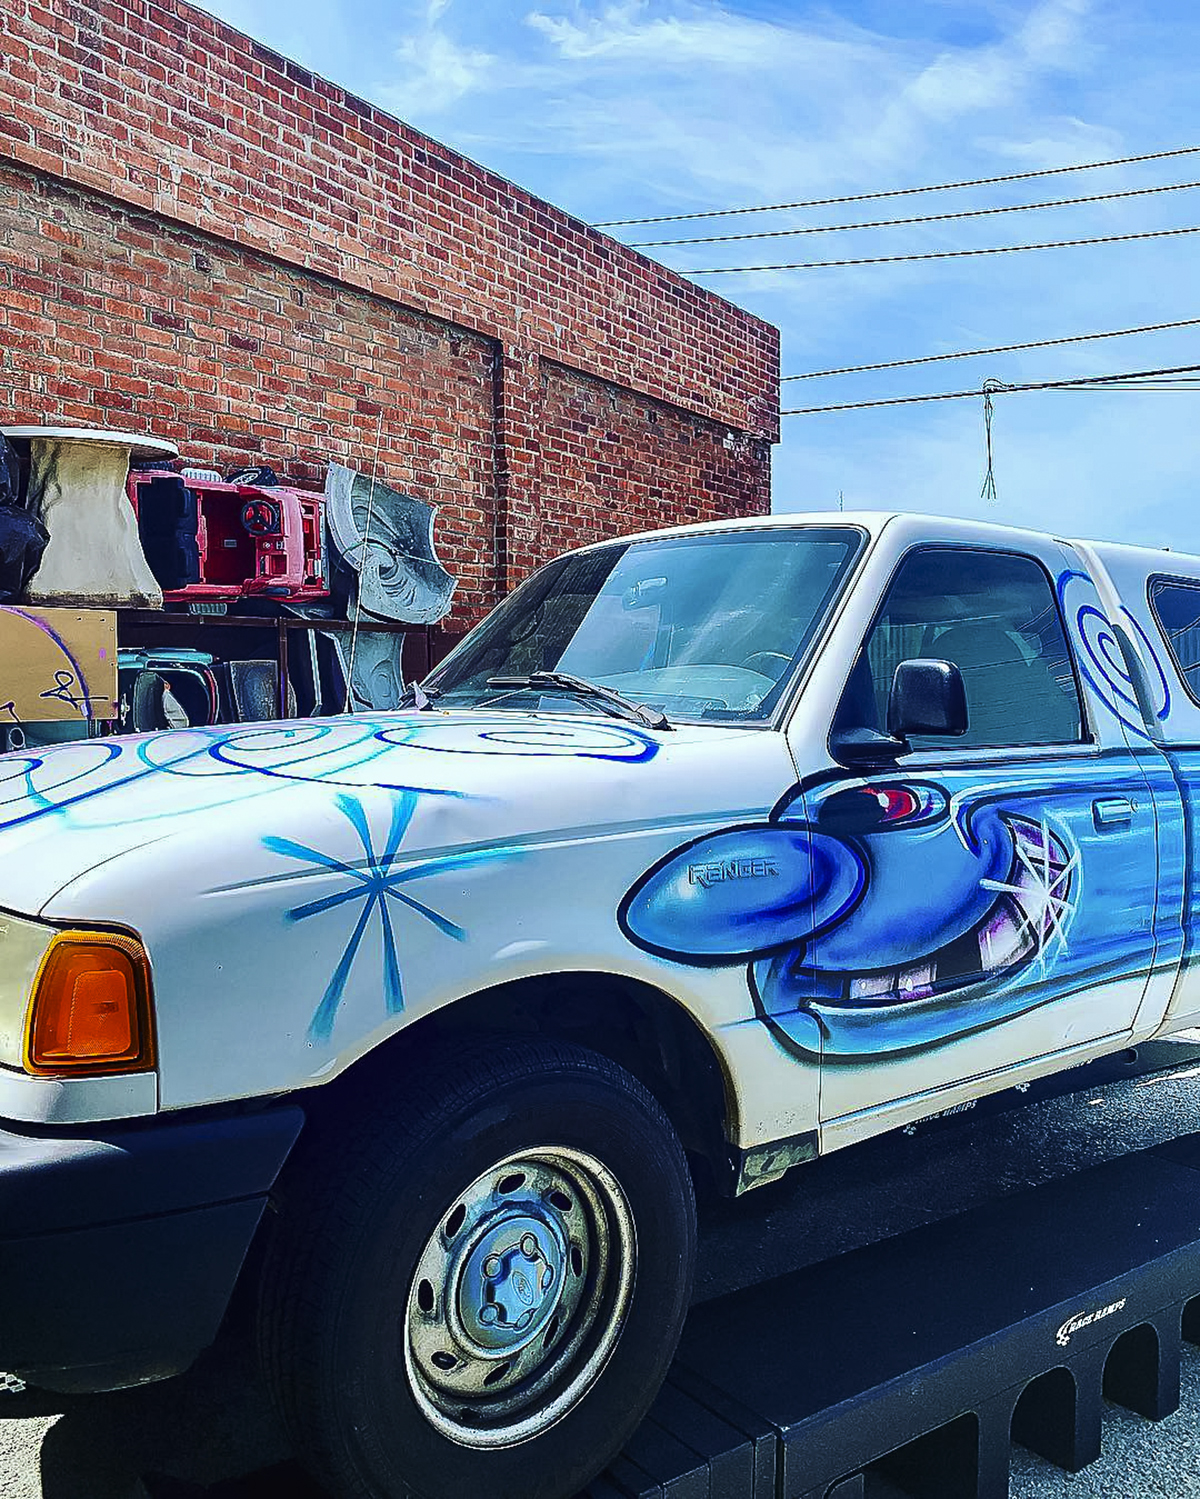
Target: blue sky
618	108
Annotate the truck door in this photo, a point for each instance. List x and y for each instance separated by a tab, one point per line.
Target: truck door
1006	908
1140	658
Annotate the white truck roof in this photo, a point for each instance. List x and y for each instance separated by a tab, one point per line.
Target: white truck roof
1149	559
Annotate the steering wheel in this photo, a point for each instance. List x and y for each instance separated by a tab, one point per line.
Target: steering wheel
748	663
262	517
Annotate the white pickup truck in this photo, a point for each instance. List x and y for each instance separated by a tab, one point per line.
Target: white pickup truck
713	849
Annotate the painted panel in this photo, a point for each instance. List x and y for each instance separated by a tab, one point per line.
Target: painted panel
1134	678
1175	779
925	918
57	665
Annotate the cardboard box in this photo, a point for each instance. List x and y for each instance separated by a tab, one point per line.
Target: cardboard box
57	665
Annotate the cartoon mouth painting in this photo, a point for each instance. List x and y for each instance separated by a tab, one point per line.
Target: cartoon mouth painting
884	922
977	978
1027	923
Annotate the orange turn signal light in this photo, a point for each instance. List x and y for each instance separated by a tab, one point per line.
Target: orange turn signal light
91	1007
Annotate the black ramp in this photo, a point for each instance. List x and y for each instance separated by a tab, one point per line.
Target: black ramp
722	1453
1185	1151
853	1358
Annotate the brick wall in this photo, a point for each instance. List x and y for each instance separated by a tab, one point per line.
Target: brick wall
613	463
109	317
203	239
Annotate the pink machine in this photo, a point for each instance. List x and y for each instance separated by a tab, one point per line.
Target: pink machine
206	539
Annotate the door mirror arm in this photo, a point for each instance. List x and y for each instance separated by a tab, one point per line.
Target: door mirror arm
866	749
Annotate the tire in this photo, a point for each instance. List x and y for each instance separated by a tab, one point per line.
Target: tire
146	707
477	1288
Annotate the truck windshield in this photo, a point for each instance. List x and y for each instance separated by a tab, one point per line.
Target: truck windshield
705	627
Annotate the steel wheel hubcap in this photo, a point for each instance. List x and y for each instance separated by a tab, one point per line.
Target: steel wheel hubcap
512	1282
519	1297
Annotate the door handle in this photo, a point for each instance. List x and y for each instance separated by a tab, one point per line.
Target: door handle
1112	812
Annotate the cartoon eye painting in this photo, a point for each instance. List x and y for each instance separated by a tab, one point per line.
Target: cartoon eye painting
742	892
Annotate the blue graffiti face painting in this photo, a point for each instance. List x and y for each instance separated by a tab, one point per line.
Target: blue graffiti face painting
883	916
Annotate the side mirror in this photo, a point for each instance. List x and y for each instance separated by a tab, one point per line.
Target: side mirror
927	697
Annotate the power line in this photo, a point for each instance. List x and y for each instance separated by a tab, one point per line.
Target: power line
898	192
1040	343
1132	380
1053	244
925	218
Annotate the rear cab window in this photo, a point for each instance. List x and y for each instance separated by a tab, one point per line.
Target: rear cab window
1175	605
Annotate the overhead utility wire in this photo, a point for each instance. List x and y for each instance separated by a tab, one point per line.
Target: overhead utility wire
924	218
997	387
898	192
1053	244
1040	343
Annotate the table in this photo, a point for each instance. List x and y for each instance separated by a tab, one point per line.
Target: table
77	489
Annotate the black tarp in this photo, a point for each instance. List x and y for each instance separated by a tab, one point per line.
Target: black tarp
23	538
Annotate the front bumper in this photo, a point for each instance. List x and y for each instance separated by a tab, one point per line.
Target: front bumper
120	1247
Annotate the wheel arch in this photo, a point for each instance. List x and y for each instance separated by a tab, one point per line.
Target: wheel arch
636	1024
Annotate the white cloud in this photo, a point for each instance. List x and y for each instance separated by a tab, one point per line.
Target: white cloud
436	70
692	35
1053	35
954	85
967	79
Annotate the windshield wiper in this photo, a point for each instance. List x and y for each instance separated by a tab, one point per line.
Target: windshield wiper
618	706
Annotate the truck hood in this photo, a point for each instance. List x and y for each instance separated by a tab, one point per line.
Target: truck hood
454	779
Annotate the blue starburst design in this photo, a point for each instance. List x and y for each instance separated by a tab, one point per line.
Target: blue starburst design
375	883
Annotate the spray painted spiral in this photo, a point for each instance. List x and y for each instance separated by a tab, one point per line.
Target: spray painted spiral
1158	677
1102	659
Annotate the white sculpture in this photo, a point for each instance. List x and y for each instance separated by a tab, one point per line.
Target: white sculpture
77	489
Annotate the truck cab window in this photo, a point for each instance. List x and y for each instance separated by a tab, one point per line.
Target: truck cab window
1176	607
994	616
706	628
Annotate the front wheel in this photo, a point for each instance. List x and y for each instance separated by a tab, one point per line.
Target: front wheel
478	1289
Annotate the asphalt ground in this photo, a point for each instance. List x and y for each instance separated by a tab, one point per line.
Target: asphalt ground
212	1428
